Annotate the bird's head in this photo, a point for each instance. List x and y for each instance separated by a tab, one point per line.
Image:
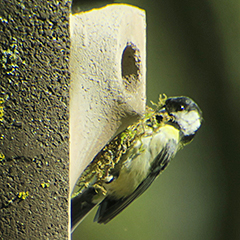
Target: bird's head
185	114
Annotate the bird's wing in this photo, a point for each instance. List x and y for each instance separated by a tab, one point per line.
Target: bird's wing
109	207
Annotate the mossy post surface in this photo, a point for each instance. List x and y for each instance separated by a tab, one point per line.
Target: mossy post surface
34	127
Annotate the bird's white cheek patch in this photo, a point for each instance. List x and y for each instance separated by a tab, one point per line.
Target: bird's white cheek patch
189	121
193	120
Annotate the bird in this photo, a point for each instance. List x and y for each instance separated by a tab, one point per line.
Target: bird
130	162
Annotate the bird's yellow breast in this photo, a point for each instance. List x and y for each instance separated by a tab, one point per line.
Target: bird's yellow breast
139	159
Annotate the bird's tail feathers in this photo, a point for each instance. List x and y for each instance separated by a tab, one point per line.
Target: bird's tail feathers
81	205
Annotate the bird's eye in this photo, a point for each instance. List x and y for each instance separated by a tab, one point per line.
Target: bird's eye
180	108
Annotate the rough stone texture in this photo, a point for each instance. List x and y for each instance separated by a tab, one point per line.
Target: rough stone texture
108	78
34	95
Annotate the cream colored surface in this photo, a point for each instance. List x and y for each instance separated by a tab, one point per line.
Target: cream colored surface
100	103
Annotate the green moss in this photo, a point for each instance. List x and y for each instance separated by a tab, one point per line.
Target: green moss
23	195
3	20
106	162
10	57
2	100
1	113
2	157
45	185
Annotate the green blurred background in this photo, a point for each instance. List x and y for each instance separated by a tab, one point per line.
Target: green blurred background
193	49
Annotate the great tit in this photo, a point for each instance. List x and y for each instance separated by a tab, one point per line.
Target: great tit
129	164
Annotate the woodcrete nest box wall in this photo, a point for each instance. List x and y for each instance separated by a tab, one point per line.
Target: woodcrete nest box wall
108	78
